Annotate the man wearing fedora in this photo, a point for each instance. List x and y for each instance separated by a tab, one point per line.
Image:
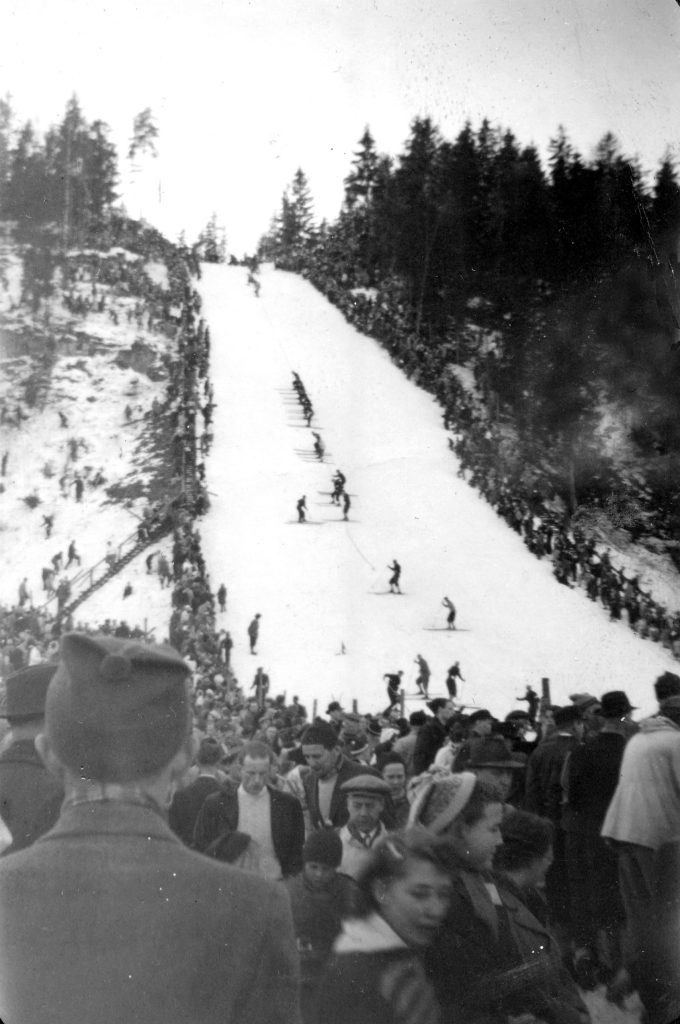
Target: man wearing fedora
590	779
492	761
30	798
109	917
544	796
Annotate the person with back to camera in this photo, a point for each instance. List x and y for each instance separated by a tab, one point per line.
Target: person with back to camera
108	917
376	974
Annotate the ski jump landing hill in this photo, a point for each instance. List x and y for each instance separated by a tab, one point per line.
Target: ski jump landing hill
322	587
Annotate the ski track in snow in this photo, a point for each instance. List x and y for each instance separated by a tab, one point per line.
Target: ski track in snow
319	588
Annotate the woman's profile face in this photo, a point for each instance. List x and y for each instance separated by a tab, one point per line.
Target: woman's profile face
477	843
415	905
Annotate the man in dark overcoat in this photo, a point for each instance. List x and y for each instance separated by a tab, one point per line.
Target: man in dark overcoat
108	917
30	798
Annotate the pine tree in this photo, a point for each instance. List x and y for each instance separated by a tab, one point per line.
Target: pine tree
360	182
144	135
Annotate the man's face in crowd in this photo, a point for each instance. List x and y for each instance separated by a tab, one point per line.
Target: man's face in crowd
255	774
395	777
364	811
483	727
500	778
319	759
446	712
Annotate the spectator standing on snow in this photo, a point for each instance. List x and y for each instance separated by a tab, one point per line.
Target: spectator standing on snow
24	592
79	488
301	507
393	686
532	699
393	581
452	676
451	617
73	555
222	597
346	505
254	632
48	523
423	677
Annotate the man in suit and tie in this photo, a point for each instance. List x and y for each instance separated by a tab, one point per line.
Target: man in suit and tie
273	819
108	917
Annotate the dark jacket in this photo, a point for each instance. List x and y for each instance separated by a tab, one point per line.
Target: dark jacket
109	918
364	981
488	962
219	815
544	794
593	775
30	798
338	810
186	805
431	737
317	919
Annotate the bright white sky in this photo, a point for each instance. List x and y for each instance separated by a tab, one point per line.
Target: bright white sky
245	91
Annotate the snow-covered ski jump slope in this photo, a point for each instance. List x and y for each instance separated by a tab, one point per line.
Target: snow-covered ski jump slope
323	585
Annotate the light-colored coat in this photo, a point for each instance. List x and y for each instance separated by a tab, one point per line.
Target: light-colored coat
645	808
109	918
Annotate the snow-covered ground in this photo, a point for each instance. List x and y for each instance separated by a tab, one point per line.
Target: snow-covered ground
92	391
322	587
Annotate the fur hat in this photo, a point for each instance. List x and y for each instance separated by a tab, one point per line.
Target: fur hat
439	800
117	710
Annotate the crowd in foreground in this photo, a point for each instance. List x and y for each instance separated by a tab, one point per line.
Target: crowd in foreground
174	852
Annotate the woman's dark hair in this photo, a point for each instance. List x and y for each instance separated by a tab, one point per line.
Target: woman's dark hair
526	838
390	860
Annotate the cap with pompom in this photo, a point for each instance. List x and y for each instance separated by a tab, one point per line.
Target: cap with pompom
117	710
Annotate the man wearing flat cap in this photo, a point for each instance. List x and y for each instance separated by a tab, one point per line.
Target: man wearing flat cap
366	796
30	797
109	917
